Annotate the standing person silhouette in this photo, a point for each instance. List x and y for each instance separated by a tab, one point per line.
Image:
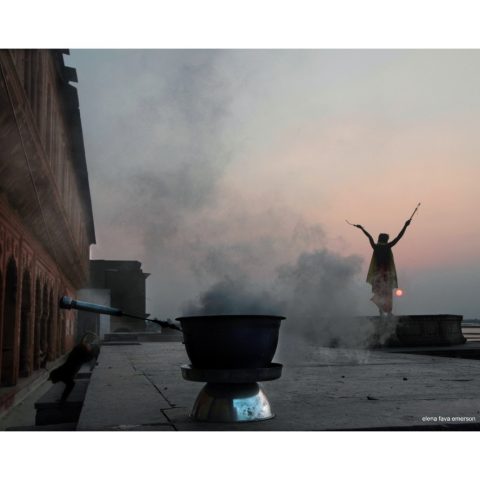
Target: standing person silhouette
382	275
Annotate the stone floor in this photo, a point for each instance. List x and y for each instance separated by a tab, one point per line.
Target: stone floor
140	387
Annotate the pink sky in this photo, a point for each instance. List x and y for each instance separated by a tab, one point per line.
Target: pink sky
376	178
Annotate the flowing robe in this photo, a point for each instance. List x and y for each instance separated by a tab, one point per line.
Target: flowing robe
382	275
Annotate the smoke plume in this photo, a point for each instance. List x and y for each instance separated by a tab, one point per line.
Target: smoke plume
317	294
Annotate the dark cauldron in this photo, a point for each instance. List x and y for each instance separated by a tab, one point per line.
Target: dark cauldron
230	341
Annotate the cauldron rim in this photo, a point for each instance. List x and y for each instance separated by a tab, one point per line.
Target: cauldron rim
235	316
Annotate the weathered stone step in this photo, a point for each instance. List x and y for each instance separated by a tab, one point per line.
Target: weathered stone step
51	411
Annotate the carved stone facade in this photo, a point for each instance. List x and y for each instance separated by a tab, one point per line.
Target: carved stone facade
46	221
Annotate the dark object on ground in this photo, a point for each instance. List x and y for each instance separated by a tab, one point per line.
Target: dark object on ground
405	378
371	398
230	341
81	353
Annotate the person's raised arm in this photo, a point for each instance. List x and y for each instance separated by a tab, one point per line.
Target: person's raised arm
370	239
400	235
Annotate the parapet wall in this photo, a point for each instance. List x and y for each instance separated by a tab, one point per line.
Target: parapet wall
417	330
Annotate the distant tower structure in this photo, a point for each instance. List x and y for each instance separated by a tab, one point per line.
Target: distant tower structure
127	284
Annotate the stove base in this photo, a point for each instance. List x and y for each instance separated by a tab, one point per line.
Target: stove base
231	402
232	395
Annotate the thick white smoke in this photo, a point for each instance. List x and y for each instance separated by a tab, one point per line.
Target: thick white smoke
317	293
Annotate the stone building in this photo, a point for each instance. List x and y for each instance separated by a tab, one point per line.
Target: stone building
126	282
46	221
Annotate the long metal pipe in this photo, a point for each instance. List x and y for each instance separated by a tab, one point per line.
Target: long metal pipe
69	303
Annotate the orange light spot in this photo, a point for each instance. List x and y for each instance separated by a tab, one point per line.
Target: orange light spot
399	292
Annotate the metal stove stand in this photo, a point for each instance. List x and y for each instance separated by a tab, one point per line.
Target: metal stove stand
232	395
